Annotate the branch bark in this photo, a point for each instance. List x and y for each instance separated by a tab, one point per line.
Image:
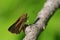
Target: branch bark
33	30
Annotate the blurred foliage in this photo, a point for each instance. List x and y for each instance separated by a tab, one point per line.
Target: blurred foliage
11	10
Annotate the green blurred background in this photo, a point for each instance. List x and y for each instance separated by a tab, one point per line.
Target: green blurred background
11	10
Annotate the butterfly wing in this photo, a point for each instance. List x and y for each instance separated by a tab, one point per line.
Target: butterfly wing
18	25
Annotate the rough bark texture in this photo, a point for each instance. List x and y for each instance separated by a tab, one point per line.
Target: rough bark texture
33	30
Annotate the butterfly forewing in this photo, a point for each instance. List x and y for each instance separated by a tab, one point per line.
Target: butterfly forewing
18	25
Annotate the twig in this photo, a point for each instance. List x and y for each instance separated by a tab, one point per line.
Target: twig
33	30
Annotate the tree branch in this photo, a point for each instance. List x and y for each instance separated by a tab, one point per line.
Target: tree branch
33	30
